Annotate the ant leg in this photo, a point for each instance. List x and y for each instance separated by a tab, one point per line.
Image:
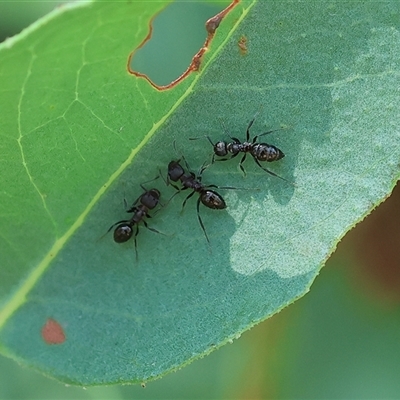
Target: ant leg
135	241
151	180
152	229
174	144
112	226
168	182
272	173
186	163
187	198
265	133
230	158
164	205
132	207
227	187
209	139
227	133
176	187
241	163
221	159
117	223
233	156
250	125
181	157
230	187
212	144
202	169
200	220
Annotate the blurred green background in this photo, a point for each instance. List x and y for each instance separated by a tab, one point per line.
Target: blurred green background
342	340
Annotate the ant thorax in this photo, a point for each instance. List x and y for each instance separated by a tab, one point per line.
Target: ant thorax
139	213
191	182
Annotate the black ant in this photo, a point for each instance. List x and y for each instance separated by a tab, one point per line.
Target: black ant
210	198
259	151
145	202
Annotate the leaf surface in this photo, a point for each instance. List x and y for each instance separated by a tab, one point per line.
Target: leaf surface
83	135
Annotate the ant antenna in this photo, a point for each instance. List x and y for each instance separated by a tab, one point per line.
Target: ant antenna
224	128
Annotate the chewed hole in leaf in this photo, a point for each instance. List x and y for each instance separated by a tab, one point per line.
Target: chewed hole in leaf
163	58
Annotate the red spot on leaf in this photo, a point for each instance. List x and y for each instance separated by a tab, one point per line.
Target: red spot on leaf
211	26
52	332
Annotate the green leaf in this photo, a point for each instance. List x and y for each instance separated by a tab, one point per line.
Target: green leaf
83	135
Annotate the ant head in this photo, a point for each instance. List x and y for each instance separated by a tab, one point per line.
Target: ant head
212	200
122	233
220	149
175	171
150	198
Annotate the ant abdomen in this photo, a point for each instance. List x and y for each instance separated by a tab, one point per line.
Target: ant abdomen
266	152
122	233
212	200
